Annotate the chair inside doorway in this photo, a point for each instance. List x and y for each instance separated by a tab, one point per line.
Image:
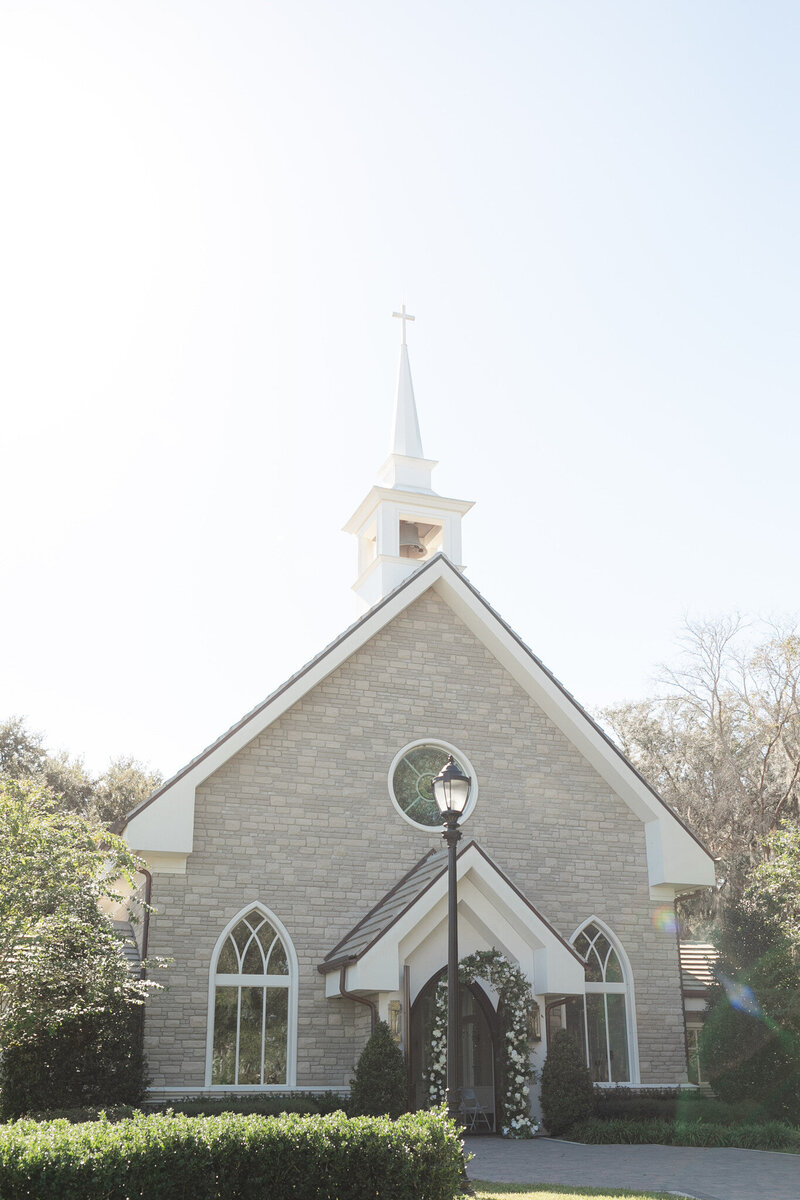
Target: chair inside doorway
474	1114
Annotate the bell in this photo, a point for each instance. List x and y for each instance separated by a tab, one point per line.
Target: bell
410	543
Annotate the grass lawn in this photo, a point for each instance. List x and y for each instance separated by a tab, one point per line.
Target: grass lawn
550	1191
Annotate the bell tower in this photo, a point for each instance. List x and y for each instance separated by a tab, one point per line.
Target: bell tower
402	522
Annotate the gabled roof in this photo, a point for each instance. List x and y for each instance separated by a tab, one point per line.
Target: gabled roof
384	914
406	893
676	857
409	928
698	961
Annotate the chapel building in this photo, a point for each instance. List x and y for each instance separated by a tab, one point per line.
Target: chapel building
296	867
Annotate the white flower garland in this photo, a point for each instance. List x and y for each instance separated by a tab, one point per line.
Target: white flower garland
517	1008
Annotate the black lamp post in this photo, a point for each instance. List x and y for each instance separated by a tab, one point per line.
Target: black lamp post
451	791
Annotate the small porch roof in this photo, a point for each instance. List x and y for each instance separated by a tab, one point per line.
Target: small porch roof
408	926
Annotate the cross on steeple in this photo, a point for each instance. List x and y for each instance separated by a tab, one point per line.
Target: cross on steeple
404	316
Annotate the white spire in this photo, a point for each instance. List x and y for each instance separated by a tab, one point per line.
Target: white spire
406	438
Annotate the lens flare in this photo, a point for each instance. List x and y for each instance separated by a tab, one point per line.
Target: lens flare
741	996
664	919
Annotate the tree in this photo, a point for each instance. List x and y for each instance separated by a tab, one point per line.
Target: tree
60	959
22	754
106	799
778	877
69	1004
750	1042
722	744
379	1086
125	783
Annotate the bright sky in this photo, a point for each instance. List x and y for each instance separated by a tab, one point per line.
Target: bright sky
208	213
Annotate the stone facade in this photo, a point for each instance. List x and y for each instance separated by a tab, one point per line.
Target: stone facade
300	819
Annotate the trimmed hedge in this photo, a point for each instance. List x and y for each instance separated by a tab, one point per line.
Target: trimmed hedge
233	1157
769	1135
275	1104
632	1105
674	1104
79	1116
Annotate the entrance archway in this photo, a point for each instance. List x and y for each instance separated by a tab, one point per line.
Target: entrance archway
477	1060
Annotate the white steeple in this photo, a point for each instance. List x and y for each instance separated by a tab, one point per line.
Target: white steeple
402	521
407	440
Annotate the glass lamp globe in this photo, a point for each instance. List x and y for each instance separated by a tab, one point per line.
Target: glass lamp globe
451	789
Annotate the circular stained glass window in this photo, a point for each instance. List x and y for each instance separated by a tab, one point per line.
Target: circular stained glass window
410	778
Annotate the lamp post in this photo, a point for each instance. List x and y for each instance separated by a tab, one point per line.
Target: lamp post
451	791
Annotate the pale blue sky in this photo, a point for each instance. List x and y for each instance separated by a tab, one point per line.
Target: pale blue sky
209	212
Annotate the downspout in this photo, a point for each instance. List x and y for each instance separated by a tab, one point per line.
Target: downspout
680	981
373	1009
148	892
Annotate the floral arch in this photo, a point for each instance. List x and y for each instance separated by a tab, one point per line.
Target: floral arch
518	1011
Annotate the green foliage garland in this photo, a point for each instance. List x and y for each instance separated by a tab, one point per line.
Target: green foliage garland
516	1006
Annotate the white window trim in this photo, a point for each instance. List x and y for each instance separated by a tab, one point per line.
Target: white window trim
457	754
630	999
291	1040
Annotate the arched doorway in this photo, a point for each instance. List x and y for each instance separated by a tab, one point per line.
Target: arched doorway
477	1052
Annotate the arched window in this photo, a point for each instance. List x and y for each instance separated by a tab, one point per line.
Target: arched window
252	1004
602	1019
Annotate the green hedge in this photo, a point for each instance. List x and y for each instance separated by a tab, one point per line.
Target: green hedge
263	1105
673	1104
233	1157
275	1104
768	1135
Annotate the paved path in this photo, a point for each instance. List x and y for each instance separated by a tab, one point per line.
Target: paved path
687	1170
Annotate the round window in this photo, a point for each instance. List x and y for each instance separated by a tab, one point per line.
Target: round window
410	777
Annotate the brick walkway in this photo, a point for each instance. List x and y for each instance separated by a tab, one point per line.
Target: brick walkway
686	1170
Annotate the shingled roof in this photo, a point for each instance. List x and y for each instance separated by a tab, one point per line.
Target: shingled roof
380	918
130	948
698	961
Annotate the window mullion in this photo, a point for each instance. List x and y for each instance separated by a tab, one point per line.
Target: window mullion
238	1028
263	1028
608	1039
586	1033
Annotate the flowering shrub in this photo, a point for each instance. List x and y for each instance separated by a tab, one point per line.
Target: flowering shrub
516	1010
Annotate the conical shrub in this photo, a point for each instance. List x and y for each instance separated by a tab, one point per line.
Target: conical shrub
567	1091
379	1086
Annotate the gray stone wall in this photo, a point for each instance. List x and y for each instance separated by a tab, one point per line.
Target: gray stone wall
301	820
